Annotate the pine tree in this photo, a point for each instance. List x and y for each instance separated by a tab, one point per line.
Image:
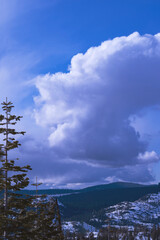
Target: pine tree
22	217
58	221
48	223
48	220
15	217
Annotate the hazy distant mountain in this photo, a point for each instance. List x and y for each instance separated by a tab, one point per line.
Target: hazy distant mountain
112	185
88	189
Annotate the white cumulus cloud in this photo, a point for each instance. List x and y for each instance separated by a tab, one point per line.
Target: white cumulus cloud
88	109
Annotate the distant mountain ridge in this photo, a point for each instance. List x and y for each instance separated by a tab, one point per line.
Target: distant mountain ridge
113	185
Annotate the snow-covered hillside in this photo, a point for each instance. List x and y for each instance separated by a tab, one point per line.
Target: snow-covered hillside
145	211
133	219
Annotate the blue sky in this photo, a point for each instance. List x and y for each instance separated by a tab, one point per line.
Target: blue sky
89	96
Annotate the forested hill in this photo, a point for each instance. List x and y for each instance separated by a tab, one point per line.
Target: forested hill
85	202
82	202
115	185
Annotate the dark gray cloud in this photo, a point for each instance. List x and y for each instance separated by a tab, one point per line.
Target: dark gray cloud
55	172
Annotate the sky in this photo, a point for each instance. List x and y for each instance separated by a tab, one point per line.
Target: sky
85	77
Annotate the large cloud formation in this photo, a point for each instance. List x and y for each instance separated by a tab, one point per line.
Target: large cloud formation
88	110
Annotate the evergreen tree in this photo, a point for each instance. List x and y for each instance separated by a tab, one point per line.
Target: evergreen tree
48	224
48	220
22	217
15	217
58	221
